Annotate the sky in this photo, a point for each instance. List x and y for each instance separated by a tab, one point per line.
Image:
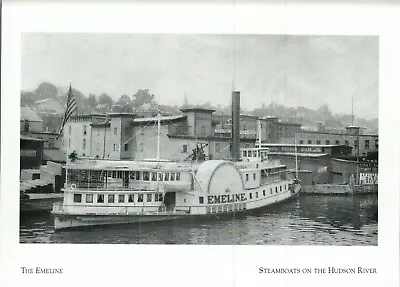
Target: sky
307	71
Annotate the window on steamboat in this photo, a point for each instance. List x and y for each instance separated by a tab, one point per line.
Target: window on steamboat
245	153
114	174
201	199
121	198
247	177
178	176
172	176
132	175
110	198
256	194
276	189
264	192
100	198
131	198
160	176
251	195
160	197
153	176
270	190
166	176
156	197
89	198
280	188
146	176
140	198
254	176
254	153
77	197
149	197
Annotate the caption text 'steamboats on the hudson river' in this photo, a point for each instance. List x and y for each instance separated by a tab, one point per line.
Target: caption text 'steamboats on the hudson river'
100	192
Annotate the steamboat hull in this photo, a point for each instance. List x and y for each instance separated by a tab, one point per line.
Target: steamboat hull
70	221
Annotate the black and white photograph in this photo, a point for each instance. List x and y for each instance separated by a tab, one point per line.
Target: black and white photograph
199	139
247	142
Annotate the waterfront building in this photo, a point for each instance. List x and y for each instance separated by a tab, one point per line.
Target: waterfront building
354	137
188	135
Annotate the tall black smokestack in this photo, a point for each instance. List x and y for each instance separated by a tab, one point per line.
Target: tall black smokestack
235	125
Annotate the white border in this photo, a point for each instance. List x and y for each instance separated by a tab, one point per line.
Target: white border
134	265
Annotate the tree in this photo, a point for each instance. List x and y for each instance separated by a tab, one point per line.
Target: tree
27	98
106	102
46	91
142	97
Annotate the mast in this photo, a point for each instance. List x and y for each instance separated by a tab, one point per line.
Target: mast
158	136
295	152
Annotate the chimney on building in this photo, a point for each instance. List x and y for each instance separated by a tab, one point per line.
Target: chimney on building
235	126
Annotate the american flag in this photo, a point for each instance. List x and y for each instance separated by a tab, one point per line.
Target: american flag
71	107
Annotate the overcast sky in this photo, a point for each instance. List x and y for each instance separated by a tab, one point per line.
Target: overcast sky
294	71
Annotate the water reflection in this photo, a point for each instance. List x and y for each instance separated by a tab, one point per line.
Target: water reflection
305	220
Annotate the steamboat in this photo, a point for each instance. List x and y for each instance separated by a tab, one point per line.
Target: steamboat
102	192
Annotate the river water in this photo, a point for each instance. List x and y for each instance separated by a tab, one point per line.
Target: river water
303	220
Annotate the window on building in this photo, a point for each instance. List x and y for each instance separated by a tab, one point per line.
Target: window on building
125	147
77	197
84	144
355	143
309	142
115	131
185	148
301	142
110	198
121	198
327	142
366	144
346	142
337	142
84	129
201	200
140	198
149	197
244	153
100	198
318	141
131	198
89	198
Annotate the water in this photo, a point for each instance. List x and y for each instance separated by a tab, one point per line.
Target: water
303	220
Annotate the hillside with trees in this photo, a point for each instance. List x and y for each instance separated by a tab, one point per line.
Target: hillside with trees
144	101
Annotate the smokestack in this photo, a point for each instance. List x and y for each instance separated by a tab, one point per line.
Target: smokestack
235	125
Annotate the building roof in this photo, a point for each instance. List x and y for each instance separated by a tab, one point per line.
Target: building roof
28	138
288	123
162	119
28	114
209	138
197	109
45	101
